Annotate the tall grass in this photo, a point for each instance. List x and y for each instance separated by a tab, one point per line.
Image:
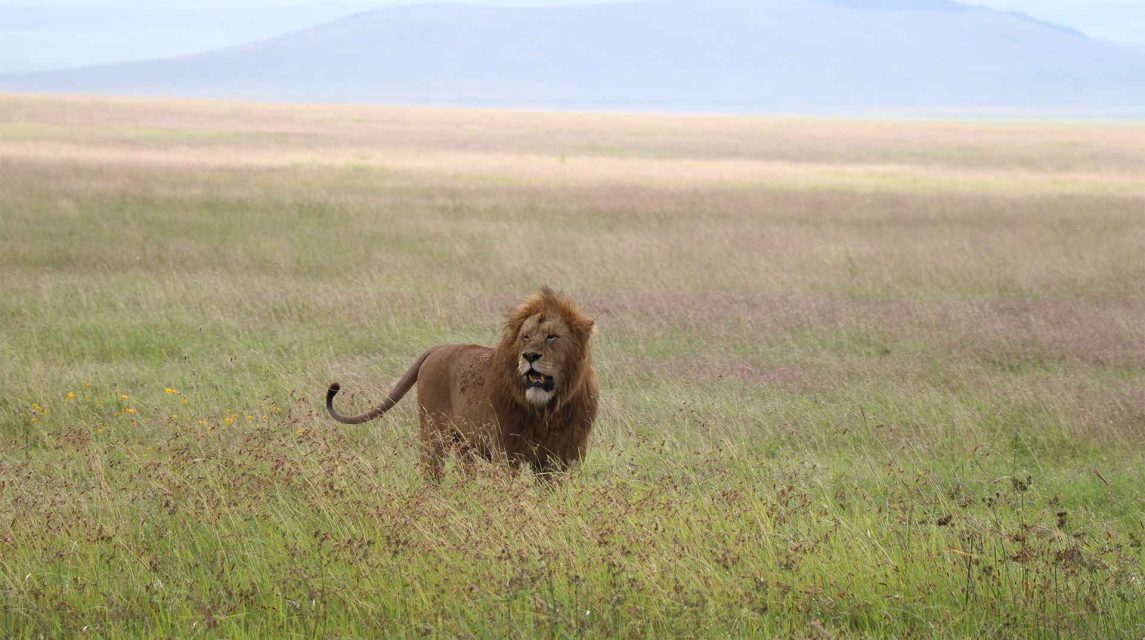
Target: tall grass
858	378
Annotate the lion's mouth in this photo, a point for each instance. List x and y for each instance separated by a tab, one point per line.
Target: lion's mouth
537	380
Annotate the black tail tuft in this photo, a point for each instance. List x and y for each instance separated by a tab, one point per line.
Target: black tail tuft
330	393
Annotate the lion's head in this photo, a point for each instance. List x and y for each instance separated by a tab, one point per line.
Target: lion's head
544	351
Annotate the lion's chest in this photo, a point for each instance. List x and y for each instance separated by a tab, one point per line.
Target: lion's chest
538	439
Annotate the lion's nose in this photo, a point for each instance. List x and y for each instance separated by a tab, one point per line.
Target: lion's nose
531	356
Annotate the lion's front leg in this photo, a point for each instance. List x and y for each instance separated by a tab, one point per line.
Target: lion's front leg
550	470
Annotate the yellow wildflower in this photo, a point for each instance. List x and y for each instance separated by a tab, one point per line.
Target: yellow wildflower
229	420
171	392
71	395
129	410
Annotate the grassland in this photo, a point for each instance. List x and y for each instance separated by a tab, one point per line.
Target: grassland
860	378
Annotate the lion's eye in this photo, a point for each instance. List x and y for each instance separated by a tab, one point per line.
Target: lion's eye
552	336
524	338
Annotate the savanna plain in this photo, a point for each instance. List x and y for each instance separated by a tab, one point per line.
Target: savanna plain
858	377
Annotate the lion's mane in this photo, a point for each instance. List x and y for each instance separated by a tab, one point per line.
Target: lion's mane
557	434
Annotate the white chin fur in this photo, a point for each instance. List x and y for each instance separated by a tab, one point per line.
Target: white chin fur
539	397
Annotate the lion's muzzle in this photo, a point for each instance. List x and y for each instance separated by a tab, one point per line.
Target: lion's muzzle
536	380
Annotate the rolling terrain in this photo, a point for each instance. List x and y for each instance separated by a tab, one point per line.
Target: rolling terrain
727	55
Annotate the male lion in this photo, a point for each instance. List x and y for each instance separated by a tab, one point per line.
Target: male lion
530	399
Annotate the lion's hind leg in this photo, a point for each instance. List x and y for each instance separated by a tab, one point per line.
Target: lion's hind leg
434	446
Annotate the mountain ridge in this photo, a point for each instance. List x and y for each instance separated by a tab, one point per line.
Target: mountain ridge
765	56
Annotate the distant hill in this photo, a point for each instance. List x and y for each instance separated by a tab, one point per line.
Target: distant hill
741	55
56	36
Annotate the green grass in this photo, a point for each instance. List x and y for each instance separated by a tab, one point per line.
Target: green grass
836	400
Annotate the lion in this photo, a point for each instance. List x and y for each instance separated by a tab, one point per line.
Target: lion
530	400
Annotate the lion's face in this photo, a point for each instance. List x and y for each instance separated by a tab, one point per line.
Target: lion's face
544	352
548	352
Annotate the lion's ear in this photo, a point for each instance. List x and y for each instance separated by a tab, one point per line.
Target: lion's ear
587	327
516	318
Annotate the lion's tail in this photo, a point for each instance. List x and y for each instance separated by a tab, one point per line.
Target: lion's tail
396	394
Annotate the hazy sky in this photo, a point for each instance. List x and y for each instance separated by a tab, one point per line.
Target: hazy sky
1032	6
44	37
1122	20
1119	17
